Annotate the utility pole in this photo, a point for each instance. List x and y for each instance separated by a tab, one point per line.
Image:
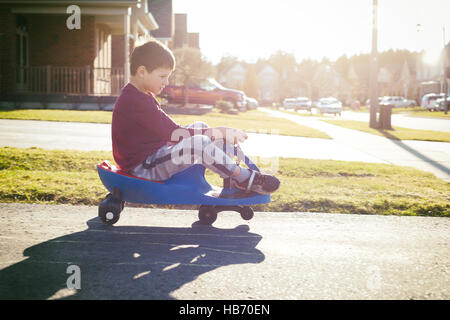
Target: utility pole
445	72
373	84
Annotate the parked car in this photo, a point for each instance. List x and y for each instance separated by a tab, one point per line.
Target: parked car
439	105
300	103
252	103
368	101
304	103
329	105
204	91
429	100
397	102
289	102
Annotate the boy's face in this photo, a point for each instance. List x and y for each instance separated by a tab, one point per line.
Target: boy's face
156	80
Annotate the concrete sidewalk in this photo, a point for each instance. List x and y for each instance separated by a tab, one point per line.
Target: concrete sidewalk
433	157
97	137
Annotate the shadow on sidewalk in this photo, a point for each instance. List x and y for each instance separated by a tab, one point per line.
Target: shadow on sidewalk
394	139
127	262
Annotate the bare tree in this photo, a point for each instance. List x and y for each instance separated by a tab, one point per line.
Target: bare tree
190	64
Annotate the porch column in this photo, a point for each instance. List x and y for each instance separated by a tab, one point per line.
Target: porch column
127	27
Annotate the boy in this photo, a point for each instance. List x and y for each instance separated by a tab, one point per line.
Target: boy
147	143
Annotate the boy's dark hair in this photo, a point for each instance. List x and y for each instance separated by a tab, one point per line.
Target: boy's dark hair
151	55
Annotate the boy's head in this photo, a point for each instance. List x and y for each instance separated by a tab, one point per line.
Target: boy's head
151	65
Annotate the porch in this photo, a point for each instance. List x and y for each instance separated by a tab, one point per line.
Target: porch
45	60
69	80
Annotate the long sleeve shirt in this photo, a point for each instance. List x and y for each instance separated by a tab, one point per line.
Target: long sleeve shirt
140	127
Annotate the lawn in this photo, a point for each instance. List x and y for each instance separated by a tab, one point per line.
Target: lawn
62	176
251	121
396	133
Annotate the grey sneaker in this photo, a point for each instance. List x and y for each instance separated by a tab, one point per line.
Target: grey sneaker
258	182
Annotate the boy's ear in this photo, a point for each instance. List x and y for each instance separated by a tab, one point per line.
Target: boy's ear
141	71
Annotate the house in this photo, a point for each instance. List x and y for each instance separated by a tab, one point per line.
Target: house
55	52
234	77
181	37
268	84
163	13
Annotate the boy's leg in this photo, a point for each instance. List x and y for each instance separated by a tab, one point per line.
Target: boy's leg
216	156
169	160
226	147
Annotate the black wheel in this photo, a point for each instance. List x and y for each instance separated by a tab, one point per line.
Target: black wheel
246	213
109	210
207	215
232	101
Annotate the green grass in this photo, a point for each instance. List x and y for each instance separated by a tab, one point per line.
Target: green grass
40	176
251	121
397	133
58	115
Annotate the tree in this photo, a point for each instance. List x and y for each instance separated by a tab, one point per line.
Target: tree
287	68
251	83
190	64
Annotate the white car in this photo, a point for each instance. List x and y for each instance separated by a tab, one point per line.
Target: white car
329	105
303	103
300	103
397	102
252	103
429	100
439	105
290	102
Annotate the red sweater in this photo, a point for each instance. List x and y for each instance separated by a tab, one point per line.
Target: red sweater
140	127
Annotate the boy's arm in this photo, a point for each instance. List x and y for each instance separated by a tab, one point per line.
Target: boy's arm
158	122
230	135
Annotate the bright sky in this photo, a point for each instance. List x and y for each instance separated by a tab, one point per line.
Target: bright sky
249	29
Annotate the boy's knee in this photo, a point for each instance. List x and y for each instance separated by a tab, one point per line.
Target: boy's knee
200	141
200	125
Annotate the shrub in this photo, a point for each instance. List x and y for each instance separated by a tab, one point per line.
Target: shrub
224	106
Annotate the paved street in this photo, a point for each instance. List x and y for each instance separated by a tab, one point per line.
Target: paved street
165	254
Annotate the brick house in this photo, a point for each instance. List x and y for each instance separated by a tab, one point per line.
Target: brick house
43	60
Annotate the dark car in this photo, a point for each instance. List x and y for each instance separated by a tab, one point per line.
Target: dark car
204	91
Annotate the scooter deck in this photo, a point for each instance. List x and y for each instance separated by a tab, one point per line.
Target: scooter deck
188	187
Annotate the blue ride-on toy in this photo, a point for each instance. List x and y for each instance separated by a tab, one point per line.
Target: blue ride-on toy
188	187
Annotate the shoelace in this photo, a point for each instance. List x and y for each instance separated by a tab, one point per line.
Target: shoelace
259	179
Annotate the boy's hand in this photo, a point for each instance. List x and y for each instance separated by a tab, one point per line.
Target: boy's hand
239	136
230	135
